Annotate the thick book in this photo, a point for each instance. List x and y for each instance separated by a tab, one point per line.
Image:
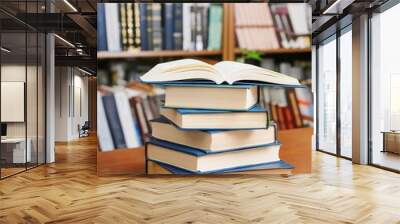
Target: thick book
112	26
129	126
196	160
168	31
226	97
256	117
164	168
114	121
215	27
212	140
103	130
101	31
226	71
144	45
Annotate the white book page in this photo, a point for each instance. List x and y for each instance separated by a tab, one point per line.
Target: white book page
184	69
236	71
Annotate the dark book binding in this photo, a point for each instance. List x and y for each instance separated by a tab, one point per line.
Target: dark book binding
101	31
114	122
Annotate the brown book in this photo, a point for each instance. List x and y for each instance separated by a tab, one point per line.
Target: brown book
294	108
281	118
136	104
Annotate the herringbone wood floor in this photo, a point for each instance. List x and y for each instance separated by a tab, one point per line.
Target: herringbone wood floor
70	192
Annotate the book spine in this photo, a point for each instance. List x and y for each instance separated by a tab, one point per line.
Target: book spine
143	27
130	26
124	25
137	28
103	130
114	122
101	31
157	30
168	19
112	27
204	24
149	30
198	32
186	25
193	27
178	33
215	27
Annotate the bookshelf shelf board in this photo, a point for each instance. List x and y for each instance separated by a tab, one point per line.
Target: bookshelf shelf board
155	54
280	51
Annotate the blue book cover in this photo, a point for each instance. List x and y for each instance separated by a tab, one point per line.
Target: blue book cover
110	108
101	30
168	31
272	165
199	152
256	108
143	27
165	120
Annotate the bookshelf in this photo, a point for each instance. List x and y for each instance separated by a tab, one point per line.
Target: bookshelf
103	55
228	51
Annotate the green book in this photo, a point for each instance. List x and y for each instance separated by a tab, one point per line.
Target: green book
215	27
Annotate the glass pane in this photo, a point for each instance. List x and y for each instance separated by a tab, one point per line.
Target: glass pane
31	97
13	86
327	97
385	84
345	94
41	99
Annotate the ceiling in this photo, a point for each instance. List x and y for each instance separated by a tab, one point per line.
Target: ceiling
74	22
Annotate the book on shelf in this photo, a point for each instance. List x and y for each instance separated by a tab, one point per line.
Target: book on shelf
103	130
225	71
197	160
114	121
122	117
212	140
255	117
289	108
272	26
113	30
156	26
101	28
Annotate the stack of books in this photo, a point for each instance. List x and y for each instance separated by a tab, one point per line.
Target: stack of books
211	120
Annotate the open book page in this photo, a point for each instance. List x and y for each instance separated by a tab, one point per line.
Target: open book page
236	71
184	69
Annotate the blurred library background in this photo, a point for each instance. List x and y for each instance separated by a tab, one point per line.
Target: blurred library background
132	38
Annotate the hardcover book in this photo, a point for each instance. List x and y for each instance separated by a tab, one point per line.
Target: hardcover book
226	97
212	140
256	117
196	160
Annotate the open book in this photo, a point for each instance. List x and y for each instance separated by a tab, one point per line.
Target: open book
225	71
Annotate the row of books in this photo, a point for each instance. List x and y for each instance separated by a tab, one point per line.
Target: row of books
272	26
156	26
224	130
123	117
290	108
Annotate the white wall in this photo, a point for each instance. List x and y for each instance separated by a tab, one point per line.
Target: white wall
71	94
